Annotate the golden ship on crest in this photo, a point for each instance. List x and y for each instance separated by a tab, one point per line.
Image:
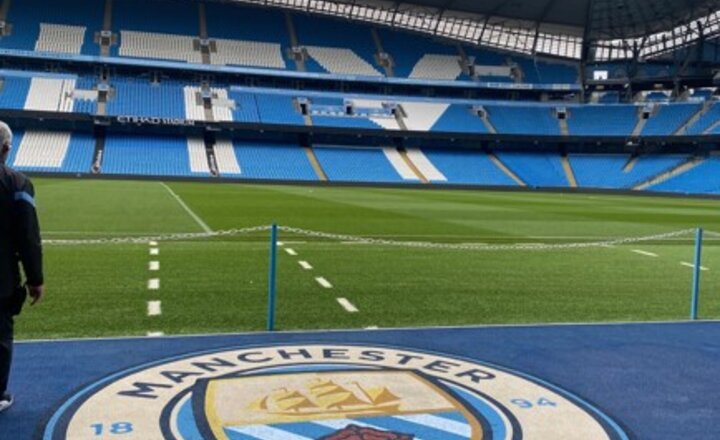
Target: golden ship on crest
327	397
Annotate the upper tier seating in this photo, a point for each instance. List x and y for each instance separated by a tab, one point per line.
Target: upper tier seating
536	169
248	53
60	38
156	16
602	120
65	26
351	43
460	118
278	109
246	23
432	66
407	50
608	171
158	46
669	119
524	120
706	121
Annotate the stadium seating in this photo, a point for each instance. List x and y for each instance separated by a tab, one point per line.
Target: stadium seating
139	97
608	171
246	23
344	164
247	53
158	46
14	91
157	16
198	156
467	167
52	151
146	155
702	179
459	118
66	26
407	50
669	119
533	120
273	161
278	109
50	94
602	120
226	159
338	46
706	121
536	169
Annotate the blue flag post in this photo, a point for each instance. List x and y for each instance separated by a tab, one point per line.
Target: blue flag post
271	278
696	275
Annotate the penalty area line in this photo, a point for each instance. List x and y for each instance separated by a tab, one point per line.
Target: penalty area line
692	266
647	254
187	209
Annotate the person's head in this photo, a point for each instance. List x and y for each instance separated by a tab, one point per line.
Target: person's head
6	136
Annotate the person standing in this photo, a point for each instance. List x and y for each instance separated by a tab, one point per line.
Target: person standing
20	244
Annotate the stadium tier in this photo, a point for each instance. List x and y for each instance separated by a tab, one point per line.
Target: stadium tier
242	36
160	96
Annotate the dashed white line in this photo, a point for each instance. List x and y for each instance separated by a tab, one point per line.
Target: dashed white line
690	265
155	334
154	251
647	254
305	265
154	266
153	243
280	243
323	282
154	284
153	308
347	305
291	251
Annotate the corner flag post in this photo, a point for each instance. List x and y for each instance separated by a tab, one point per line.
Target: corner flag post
271	277
696	275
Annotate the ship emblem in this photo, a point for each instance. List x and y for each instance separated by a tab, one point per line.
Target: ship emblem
333	405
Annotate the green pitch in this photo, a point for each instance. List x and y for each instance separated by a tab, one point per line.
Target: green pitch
220	284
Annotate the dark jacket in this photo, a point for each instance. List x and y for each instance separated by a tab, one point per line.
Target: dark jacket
19	232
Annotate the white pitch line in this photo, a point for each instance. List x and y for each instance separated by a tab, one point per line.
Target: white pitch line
154	284
280	243
187	209
291	251
155	334
305	265
154	266
692	266
647	254
154	251
372	327
347	305
153	308
323	282
153	243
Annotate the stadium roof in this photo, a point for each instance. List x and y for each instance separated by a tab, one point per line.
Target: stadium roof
601	18
614	29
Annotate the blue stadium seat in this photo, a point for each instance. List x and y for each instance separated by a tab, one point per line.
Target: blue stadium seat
146	155
538	120
273	161
344	164
702	179
536	169
467	167
669	119
606	170
138	97
602	120
277	109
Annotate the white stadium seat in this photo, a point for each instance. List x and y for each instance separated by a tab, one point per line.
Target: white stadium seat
159	46
60	38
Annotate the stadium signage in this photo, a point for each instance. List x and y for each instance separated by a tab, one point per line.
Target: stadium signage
329	392
143	120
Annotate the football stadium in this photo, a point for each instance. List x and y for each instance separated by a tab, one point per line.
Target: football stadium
367	219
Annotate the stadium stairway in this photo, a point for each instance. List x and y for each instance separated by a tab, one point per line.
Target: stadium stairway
508	172
315	163
569	174
683	130
680	169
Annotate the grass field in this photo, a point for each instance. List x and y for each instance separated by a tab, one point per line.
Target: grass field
220	284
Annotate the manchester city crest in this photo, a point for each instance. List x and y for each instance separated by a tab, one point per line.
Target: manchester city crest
326	392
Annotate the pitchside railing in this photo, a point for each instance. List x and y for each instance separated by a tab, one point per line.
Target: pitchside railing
275	231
